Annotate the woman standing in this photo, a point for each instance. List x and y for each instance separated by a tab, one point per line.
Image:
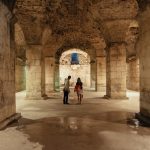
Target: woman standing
79	89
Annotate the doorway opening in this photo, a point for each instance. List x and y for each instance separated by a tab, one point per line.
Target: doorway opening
76	63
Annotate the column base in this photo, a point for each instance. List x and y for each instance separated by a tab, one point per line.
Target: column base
144	120
7	121
115	98
44	97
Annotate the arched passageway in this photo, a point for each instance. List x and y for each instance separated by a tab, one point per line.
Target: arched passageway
81	68
108	33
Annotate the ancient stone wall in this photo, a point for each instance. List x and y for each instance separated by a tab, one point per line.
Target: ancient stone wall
143	48
20	77
133	75
7	66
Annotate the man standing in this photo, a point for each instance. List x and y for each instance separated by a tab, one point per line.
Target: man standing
66	90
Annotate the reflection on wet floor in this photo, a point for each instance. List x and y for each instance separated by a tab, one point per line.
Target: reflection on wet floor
85	133
97	124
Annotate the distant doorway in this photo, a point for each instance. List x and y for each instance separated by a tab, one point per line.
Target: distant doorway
76	63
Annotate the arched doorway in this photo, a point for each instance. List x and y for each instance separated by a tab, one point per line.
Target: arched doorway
79	67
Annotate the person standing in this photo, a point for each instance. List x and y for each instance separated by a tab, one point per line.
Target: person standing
79	89
66	90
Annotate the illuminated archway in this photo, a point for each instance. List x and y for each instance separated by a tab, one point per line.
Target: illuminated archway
82	69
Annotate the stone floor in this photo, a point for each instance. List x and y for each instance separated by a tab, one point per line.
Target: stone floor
97	124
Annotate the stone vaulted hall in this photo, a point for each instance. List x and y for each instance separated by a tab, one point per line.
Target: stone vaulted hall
105	43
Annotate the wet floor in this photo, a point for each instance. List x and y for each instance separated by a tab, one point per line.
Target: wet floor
97	124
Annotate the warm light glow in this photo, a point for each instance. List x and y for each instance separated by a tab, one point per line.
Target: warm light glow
75	67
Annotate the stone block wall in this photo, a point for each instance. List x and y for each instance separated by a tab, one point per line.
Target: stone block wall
93	74
143	47
33	72
133	78
56	77
7	66
101	74
49	74
116	71
20	75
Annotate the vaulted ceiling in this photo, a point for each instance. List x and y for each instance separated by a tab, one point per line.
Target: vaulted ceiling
89	23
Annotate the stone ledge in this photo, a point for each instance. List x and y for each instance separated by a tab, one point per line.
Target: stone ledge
4	123
143	119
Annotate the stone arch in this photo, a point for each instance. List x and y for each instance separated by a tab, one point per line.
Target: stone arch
76	70
90	50
87	48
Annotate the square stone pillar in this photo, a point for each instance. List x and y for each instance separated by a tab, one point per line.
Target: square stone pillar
56	77
93	75
7	65
101	74
143	47
34	72
116	71
49	74
133	78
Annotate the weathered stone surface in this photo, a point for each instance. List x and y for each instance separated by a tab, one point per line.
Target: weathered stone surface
33	72
7	66
101	74
48	28
116	71
49	74
20	77
143	47
133	77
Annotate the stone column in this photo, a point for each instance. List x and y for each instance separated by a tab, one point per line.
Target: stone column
7	64
116	71
34	72
101	74
93	74
143	47
133	79
49	74
20	78
56	77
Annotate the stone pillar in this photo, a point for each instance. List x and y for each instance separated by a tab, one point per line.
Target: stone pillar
56	77
20	78
7	65
116	71
133	79
93	75
101	74
143	47
49	74
34	72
